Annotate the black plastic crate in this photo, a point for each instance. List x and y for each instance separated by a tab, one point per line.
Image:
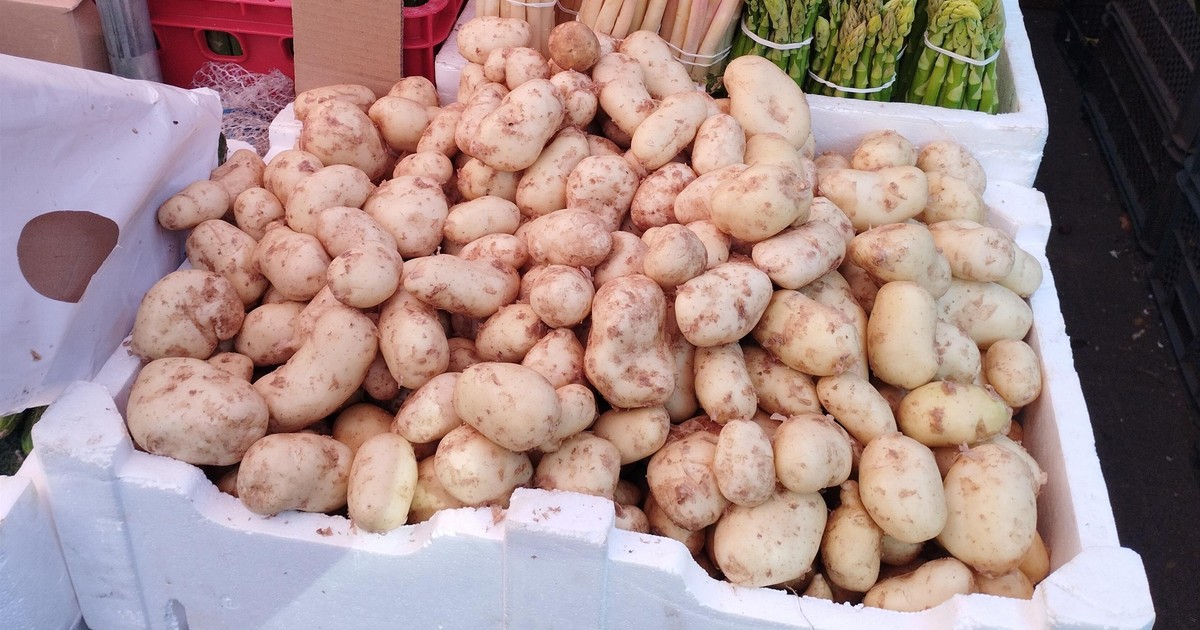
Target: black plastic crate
1077	31
1126	108
1176	276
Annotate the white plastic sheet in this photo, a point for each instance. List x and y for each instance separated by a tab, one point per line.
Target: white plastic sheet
74	142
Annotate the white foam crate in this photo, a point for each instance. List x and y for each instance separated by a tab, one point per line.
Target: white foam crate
151	543
35	588
1009	144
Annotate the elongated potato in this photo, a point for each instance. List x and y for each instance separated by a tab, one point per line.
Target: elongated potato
359	95
572	236
975	252
797	256
852	547
476	288
901	335
892	194
543	186
780	389
927	586
474	219
694	202
744	463
476	471
901	251
723	384
636	433
428	414
626	357
808	336
669	129
901	488
681	479
510	404
511	137
382	482
198	202
764	99
412	341
294	471
295	263
943	413
760	202
323	373
653	202
1014	370
855	403
879	149
720	141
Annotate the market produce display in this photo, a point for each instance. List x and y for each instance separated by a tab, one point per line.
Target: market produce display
589	275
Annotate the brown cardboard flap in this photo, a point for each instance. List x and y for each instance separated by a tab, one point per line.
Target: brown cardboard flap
58	31
356	41
60	251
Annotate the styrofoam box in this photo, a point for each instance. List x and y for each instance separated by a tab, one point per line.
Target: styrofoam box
151	543
35	588
1008	144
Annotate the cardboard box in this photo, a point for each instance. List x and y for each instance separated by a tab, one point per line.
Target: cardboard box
57	31
357	41
37	591
1008	144
151	542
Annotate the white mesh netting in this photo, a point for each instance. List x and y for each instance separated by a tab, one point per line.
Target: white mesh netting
250	100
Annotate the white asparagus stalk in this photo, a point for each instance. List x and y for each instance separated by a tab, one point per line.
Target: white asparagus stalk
653	19
608	16
589	10
639	12
683	10
667	24
625	18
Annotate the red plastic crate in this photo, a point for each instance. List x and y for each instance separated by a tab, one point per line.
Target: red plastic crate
263	30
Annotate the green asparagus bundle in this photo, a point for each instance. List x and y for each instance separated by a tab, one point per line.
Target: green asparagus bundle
786	25
957	55
857	47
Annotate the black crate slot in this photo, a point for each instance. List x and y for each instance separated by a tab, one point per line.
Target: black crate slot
1176	277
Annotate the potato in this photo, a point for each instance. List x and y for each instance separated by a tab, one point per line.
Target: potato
668	130
812	452
626	357
417	88
927	586
1014	370
557	356
943	413
716	242
192	411
295	263
951	198
797	256
1012	584
429	497
764	99
760	202
682	403
515	65
653	201
238	365
323	373
951	158
561	296
720	141
991	509
662	525
855	403
401	121
744	463
572	236
959	359
429	164
780	389
412	341
294	471
476	288
358	422
511	136
480	35
428	414
630	518
624	97
584	463
578	95
476	471
509	333
723	304
543	186
901	335
366	276
1035	564
636	433
723	385
772	148
339	132
694	202
573	46
892	194
986	311
772	542
382	482
222	248
807	335
901	488
186	314
414	210
681	479
674	255
898	553
578	413
974	251
901	251
359	95
883	148
504	248
603	185
199	201
254	209
439	133
268	333
624	259
663	73
853	544
511	405
286	169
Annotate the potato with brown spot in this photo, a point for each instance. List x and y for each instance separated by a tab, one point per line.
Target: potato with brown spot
901	488
770	543
584	463
294	471
681	479
187	313
626	356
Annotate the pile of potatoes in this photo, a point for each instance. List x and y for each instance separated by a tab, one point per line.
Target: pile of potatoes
588	275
